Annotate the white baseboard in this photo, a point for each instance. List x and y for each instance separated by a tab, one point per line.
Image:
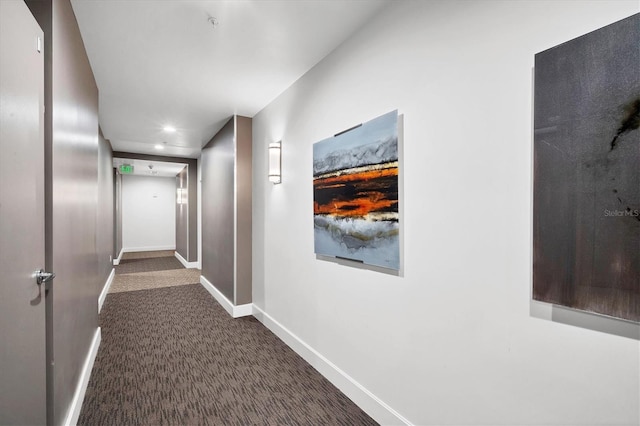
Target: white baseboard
371	404
233	310
105	289
73	413
243	310
187	264
116	261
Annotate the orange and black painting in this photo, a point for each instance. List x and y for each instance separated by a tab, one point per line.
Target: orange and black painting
355	194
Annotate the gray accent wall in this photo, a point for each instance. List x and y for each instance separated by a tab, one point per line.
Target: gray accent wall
105	213
117	212
71	185
226	210
192	186
217	210
182	215
243	209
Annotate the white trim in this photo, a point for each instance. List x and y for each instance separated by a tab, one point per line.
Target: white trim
185	263
199	208
243	310
150	248
371	404
73	413
188	204
235	209
105	289
233	310
116	261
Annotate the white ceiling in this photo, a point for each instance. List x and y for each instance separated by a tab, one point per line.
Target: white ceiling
162	62
151	168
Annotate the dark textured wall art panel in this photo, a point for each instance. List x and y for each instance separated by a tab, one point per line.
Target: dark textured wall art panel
586	235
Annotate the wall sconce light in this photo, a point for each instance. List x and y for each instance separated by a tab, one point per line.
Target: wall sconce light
275	160
181	196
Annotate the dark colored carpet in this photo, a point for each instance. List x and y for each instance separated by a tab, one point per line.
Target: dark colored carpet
174	356
130	266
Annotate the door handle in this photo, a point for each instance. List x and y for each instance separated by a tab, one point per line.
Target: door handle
43	277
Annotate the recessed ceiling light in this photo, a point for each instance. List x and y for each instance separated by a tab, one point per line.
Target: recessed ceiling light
169	129
159	147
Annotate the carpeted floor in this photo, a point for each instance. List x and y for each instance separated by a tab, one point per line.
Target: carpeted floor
148	254
128	266
172	355
154	279
151	269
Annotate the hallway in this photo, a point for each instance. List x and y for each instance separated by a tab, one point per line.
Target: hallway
149	270
492	279
170	354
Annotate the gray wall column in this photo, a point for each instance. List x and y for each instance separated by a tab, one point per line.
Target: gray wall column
105	213
226	210
182	214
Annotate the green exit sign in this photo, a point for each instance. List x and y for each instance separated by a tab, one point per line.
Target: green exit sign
126	169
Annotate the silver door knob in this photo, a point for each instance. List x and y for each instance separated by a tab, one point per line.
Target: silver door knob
43	277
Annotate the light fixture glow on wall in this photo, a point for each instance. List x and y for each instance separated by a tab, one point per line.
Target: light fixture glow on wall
275	166
181	196
169	129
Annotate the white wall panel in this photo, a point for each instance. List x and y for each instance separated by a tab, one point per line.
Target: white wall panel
148	213
451	340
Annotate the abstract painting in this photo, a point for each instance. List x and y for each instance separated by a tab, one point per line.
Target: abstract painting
586	206
355	194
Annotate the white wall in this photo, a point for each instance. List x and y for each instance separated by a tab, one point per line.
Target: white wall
148	213
452	340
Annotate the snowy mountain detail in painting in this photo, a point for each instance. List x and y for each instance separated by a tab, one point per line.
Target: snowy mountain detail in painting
355	193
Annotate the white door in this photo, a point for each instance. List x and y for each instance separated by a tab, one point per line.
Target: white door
22	304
